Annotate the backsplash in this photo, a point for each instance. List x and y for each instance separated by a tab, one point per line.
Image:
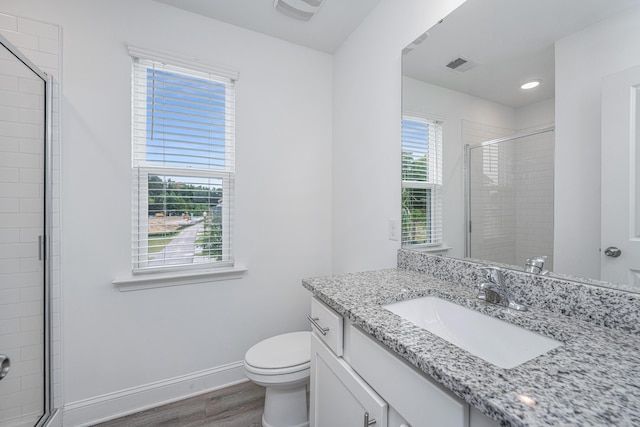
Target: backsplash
611	308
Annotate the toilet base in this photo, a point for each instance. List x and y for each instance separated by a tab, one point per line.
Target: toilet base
286	406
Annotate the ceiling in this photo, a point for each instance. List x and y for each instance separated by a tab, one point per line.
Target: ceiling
511	41
332	24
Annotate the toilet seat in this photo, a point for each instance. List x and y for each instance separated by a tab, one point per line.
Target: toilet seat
283	359
286	353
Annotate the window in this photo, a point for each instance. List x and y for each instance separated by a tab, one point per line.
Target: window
183	167
421	181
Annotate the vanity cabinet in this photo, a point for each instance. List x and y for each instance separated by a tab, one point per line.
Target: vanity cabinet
359	376
339	397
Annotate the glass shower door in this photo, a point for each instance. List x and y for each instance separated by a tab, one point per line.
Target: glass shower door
22	223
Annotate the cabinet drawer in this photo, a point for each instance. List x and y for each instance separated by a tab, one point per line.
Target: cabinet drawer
419	400
327	325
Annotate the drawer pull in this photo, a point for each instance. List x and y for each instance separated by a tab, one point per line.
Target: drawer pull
368	423
314	322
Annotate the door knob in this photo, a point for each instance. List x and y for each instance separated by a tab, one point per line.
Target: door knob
5	364
612	251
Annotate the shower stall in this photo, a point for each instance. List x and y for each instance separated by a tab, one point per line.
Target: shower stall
509	198
25	230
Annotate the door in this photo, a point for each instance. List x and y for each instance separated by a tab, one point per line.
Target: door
620	207
339	397
22	295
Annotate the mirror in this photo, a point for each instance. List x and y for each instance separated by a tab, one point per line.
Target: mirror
466	72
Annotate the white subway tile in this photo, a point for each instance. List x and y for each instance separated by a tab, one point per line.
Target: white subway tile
32	352
9	326
8	22
31	176
21	40
32	146
38	28
31	205
14	311
19	190
32	86
21	100
9	114
48	45
32	293
9	296
31	323
8	204
18	279
10	385
41	59
33	116
32	381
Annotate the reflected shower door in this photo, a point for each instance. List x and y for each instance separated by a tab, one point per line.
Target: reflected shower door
510	198
22	220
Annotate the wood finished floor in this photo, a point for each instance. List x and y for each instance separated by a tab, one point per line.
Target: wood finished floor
236	406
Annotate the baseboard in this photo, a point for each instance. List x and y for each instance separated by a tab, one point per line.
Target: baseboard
113	405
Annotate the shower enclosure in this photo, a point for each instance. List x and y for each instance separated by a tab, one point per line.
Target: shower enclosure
509	198
25	94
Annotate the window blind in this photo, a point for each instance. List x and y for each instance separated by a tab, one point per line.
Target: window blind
183	127
421	181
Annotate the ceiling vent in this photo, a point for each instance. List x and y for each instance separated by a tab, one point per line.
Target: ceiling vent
303	10
461	64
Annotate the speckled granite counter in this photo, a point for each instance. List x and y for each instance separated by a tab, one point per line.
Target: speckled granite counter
592	380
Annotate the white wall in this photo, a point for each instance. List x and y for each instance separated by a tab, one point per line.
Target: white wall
454	108
366	131
582	60
117	340
539	114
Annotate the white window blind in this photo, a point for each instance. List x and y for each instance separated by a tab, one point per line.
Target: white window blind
183	167
421	181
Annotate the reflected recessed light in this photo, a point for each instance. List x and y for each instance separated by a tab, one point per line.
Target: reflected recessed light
526	400
531	84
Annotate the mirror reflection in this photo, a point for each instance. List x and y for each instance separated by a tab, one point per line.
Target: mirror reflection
510	175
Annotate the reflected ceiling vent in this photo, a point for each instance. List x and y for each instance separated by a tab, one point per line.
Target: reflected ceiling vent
303	10
461	64
415	43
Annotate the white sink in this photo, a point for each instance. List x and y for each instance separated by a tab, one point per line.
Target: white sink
498	342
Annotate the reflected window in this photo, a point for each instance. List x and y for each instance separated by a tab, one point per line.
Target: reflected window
421	181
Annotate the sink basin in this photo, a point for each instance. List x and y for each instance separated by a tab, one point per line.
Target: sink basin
493	340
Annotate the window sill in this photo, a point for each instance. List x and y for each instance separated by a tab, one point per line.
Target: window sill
436	250
161	280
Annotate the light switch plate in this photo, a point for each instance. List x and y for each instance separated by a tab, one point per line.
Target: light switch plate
394	229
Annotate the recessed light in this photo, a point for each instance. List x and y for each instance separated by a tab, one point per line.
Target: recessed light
531	84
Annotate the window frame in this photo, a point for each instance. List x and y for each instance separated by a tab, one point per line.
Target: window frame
142	169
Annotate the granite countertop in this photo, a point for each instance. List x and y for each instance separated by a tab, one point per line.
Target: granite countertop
591	380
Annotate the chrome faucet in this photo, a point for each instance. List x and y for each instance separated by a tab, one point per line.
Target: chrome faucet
536	265
494	290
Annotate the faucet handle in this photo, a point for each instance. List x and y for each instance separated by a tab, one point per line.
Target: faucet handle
493	275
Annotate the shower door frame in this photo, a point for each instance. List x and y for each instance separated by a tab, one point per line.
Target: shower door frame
45	245
467	178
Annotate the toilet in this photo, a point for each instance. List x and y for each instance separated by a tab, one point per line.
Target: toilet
282	365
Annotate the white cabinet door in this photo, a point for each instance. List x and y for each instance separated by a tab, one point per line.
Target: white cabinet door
422	402
339	397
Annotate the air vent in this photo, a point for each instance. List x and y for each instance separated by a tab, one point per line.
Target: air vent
461	64
303	10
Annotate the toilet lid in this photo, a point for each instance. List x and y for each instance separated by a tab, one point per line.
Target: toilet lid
281	351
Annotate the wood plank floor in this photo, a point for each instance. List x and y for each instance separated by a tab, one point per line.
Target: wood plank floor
236	406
